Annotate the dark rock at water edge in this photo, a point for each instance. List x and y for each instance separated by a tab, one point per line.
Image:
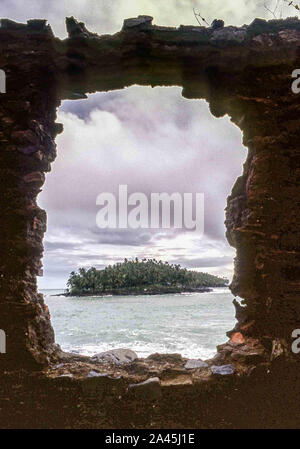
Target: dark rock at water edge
116	356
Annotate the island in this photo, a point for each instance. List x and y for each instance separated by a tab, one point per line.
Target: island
140	277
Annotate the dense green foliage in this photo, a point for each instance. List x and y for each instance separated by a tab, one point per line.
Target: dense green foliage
139	276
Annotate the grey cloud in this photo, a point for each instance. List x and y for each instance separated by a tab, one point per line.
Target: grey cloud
53	246
121	237
203	262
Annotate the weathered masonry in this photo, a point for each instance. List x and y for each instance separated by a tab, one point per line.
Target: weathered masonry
243	72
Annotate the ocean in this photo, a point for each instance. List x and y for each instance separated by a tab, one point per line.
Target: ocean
191	324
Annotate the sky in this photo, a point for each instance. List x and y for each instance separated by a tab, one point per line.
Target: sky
150	139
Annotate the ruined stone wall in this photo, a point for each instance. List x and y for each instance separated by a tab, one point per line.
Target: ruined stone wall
243	72
28	130
263	209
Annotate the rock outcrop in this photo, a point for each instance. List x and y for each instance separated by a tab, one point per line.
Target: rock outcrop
116	356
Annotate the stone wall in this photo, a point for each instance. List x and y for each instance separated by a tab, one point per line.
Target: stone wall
28	130
243	72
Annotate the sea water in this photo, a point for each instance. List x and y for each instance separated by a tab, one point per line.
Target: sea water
191	324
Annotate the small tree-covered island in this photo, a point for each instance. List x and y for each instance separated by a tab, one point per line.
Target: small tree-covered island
145	277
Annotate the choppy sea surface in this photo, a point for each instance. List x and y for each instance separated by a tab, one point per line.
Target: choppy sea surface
191	324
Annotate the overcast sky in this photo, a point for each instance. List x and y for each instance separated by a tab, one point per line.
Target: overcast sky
153	140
